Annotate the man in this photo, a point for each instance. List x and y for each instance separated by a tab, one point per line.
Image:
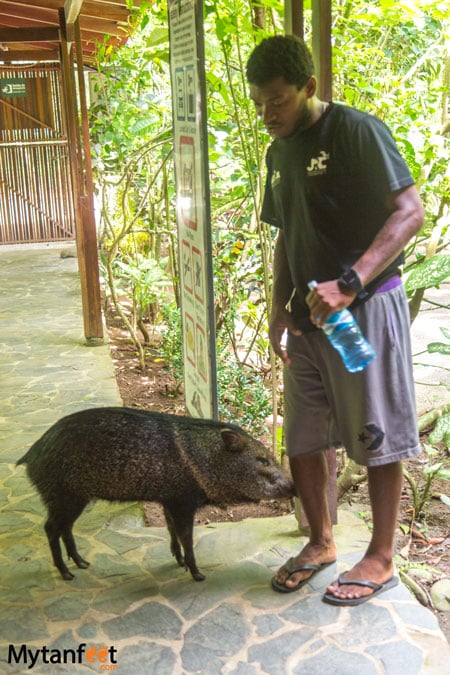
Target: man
345	205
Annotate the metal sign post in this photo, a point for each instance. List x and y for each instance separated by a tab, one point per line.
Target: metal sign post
193	205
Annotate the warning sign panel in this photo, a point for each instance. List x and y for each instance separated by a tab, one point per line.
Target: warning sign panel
192	204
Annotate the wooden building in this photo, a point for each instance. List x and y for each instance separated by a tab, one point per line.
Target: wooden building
46	191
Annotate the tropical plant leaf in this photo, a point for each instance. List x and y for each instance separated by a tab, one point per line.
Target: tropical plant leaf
442	429
439	348
428	273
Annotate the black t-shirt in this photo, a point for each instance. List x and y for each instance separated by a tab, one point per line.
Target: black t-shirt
327	188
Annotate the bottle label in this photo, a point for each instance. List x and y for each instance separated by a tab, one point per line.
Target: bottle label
338	321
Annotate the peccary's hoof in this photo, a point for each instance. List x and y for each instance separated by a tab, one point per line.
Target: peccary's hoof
82	564
180	561
198	576
67	576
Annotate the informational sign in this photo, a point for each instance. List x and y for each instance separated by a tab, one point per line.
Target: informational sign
193	205
13	86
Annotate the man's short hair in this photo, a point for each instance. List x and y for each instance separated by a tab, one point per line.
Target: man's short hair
280	56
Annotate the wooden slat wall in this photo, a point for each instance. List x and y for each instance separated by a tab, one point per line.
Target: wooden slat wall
36	199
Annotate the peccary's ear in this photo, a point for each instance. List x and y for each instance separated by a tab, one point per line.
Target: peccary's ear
233	440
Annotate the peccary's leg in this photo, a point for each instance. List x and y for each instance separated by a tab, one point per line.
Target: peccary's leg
174	543
53	531
61	517
71	548
183	524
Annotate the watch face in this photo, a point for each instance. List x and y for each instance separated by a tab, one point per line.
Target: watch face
350	279
349	276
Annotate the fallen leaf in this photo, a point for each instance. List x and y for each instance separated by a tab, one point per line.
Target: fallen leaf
404	552
418	535
436	540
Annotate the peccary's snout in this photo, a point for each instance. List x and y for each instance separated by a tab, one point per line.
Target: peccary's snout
278	485
247	471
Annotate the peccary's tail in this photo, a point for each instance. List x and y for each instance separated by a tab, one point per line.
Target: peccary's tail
28	456
42	450
22	460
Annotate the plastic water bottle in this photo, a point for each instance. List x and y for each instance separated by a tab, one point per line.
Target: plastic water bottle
345	335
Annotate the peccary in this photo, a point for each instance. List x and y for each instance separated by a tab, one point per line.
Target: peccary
124	454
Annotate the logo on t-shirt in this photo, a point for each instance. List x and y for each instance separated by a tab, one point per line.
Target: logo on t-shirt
276	178
318	164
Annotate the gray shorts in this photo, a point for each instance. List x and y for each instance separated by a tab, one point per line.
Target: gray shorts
372	414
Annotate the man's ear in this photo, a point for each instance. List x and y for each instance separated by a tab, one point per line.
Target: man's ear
311	86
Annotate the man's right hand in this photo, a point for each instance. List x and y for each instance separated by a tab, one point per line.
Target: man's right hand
281	321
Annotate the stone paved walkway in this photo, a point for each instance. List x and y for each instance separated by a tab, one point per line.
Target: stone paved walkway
147	614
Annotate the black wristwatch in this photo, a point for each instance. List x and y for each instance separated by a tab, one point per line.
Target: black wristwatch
350	280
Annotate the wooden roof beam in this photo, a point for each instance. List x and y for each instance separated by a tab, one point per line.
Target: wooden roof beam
109	11
29	34
29	55
50	4
36	14
102	27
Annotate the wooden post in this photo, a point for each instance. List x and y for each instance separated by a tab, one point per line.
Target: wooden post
83	197
294	18
321	46
93	297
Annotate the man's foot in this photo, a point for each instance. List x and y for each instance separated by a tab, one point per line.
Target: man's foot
316	555
369	569
376	589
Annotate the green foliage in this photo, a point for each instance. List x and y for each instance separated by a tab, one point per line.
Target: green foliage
421	489
392	59
406	570
440	347
171	347
130	124
441	431
143	280
129	100
242	393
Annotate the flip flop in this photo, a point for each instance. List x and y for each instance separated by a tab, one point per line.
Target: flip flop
291	568
377	589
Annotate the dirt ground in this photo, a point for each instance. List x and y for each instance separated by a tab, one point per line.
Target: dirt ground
421	541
